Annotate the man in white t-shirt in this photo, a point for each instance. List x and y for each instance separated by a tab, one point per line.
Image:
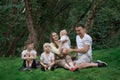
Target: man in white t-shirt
84	49
85	43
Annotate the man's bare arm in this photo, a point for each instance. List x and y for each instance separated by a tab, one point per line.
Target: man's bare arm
82	50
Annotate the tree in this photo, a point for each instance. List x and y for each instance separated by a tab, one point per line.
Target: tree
44	16
33	34
93	13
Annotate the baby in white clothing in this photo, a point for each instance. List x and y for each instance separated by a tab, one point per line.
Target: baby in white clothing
64	39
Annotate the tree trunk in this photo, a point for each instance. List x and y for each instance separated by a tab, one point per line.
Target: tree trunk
12	48
80	18
33	34
8	35
92	14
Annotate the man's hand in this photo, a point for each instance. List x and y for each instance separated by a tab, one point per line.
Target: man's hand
67	51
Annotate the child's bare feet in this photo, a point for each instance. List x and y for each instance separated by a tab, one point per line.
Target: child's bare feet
49	68
45	68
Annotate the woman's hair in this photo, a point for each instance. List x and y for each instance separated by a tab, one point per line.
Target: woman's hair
52	40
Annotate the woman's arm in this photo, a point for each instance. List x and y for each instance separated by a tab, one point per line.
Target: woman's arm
54	49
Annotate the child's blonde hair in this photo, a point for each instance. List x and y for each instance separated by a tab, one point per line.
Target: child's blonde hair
46	44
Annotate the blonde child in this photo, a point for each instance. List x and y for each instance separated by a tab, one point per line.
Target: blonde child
47	57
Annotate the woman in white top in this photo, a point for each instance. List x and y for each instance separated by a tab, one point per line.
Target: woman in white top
60	60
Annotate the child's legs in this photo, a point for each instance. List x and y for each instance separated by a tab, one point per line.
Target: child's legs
27	63
34	64
30	63
42	68
51	66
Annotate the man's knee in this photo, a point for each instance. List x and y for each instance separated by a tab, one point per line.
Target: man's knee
84	59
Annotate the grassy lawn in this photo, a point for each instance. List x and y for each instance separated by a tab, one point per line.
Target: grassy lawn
9	69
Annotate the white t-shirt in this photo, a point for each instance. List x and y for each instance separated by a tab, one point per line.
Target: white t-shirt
67	43
47	59
31	52
81	42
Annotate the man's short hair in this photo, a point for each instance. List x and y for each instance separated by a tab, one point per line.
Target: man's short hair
80	25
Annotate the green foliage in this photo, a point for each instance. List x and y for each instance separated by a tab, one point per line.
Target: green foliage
54	15
107	26
12	25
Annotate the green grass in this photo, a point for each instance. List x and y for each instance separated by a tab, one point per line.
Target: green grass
9	69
